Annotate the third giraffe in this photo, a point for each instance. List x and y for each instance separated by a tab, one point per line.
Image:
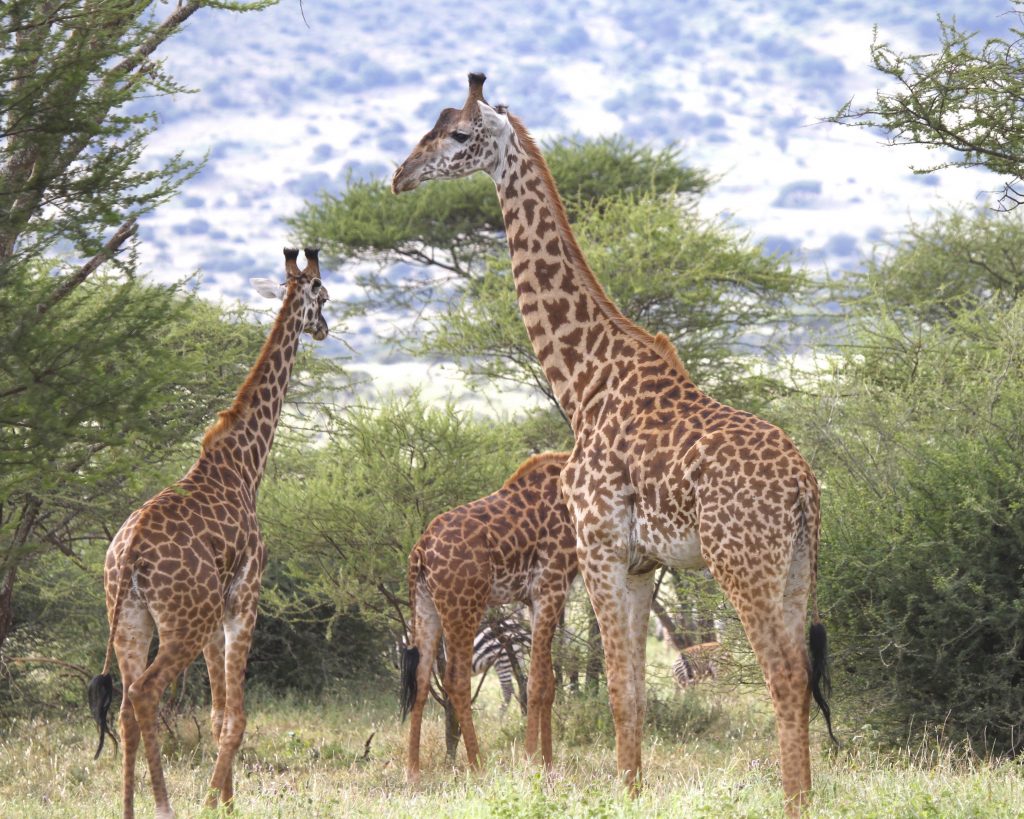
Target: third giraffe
515	545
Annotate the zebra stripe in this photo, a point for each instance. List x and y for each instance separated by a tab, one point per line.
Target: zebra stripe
695	664
491	649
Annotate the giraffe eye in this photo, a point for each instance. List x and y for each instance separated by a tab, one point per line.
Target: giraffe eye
458	136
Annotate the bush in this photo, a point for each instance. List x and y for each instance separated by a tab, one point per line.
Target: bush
922	562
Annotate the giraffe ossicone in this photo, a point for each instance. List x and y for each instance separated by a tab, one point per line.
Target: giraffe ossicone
661	473
188	563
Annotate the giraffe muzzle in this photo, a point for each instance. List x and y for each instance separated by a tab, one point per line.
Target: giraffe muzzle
403	180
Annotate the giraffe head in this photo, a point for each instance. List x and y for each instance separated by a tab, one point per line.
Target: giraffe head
462	141
307	286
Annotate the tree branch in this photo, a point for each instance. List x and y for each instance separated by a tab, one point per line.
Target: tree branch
112	246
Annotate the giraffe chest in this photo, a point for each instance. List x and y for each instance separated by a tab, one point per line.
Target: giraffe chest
643	510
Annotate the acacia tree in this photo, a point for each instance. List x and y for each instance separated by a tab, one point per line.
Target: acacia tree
445	234
913	424
72	73
442	254
965	97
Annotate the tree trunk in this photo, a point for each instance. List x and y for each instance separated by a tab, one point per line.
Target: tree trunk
20	538
595	653
6	610
675	636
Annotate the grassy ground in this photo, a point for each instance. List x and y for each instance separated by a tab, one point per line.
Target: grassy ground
708	752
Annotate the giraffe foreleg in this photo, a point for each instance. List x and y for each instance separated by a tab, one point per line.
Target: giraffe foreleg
612	596
640	591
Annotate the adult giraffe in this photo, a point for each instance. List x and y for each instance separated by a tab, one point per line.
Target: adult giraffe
514	545
661	473
190	560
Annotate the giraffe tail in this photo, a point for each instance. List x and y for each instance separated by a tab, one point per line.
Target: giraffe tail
411	654
410	665
821	683
101	695
821	680
101	687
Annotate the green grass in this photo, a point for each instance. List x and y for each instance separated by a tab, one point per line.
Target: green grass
708	753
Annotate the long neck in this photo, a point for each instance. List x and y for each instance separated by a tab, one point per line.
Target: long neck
241	438
577	333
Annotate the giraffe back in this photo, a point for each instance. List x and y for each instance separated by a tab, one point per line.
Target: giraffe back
517	537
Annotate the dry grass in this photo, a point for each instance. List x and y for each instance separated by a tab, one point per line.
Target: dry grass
708	753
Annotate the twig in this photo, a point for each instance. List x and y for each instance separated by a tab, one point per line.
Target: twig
108	250
84	672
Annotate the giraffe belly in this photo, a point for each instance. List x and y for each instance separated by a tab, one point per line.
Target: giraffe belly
507	589
674	546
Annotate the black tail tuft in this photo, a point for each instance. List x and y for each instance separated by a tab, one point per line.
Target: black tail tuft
101	694
821	681
410	663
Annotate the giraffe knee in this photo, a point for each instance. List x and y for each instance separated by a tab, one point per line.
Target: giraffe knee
232	730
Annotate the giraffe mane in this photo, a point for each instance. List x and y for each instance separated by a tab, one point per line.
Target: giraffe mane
226	419
660	343
535	462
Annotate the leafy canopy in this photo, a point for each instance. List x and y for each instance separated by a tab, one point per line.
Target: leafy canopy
445	233
965	97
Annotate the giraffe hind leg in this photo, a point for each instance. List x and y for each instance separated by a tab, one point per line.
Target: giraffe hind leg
175	654
213	653
540	687
131	646
426	630
458	685
774	624
237	640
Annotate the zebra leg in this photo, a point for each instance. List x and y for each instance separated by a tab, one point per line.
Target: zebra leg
504	671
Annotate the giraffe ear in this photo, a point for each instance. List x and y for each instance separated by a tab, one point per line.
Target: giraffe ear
268	288
494	121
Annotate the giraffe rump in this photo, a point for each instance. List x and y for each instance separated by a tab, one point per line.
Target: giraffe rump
101	695
410	662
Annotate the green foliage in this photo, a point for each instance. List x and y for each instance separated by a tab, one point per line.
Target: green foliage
671	715
954	262
965	97
341	520
707	288
446	232
69	157
588	171
923	524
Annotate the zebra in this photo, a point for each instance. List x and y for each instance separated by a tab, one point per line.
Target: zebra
696	663
503	645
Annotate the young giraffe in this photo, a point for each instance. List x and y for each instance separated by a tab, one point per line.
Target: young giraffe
661	474
189	561
514	545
